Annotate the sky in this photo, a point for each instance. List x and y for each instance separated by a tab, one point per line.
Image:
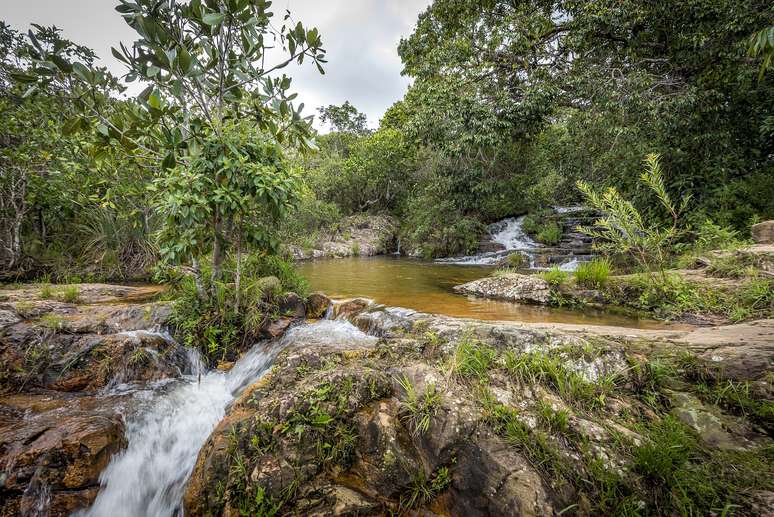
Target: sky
360	36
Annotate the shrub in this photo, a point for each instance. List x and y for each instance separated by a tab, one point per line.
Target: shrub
593	274
550	234
544	229
554	276
517	260
623	229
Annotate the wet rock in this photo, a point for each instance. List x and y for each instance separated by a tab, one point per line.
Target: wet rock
511	287
274	329
53	450
292	306
763	233
349	308
317	305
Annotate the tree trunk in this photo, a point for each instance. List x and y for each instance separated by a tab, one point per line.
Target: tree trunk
197	272
217	252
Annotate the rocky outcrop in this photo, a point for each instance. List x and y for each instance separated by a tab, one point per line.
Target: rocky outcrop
763	233
456	417
358	235
511	287
59	354
52	450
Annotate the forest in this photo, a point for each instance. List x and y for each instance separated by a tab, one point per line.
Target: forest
629	143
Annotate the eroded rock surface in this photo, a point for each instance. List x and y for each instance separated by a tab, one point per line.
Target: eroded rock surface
59	358
444	416
511	287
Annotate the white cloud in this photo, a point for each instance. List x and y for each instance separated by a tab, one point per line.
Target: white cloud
360	36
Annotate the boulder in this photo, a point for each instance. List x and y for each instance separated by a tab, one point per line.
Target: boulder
52	451
317	305
763	233
292	306
510	287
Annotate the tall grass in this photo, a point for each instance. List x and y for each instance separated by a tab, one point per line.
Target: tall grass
593	274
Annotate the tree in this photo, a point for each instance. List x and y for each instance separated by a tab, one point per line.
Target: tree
207	66
30	140
344	119
623	76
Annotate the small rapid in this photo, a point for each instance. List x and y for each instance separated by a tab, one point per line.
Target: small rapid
165	429
508	233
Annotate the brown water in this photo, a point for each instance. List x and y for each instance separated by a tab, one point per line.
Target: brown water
427	287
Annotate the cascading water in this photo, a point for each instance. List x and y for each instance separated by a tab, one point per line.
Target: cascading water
510	234
166	430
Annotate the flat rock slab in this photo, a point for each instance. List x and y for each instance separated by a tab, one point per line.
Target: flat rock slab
511	287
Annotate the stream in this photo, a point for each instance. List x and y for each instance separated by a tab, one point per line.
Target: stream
166	428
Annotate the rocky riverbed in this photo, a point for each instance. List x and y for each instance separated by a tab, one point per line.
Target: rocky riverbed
412	414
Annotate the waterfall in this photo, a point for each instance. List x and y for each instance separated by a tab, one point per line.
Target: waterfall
166	429
509	233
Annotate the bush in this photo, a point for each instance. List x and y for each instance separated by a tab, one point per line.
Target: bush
550	234
593	274
543	228
517	261
222	323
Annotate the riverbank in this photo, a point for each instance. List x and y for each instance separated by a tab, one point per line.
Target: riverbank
384	409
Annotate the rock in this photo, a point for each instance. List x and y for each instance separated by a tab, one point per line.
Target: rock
292	306
317	305
349	308
763	233
364	235
55	447
276	328
511	287
8	318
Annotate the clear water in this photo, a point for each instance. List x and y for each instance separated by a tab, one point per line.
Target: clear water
166	429
428	287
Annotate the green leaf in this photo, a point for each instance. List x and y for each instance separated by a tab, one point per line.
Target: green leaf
24	78
213	19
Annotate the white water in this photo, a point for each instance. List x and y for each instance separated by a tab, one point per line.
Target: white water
167	430
510	233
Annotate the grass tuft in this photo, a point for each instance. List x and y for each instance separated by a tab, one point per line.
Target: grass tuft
593	274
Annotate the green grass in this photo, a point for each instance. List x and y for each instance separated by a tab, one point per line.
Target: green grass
594	273
472	359
356	249
52	321
70	294
533	368
419	409
422	488
46	292
554	276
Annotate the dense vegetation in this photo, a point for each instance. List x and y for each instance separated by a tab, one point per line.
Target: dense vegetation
511	106
512	103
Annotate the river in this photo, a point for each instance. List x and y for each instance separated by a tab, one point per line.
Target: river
427	287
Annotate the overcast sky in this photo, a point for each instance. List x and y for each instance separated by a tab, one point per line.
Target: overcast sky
360	37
